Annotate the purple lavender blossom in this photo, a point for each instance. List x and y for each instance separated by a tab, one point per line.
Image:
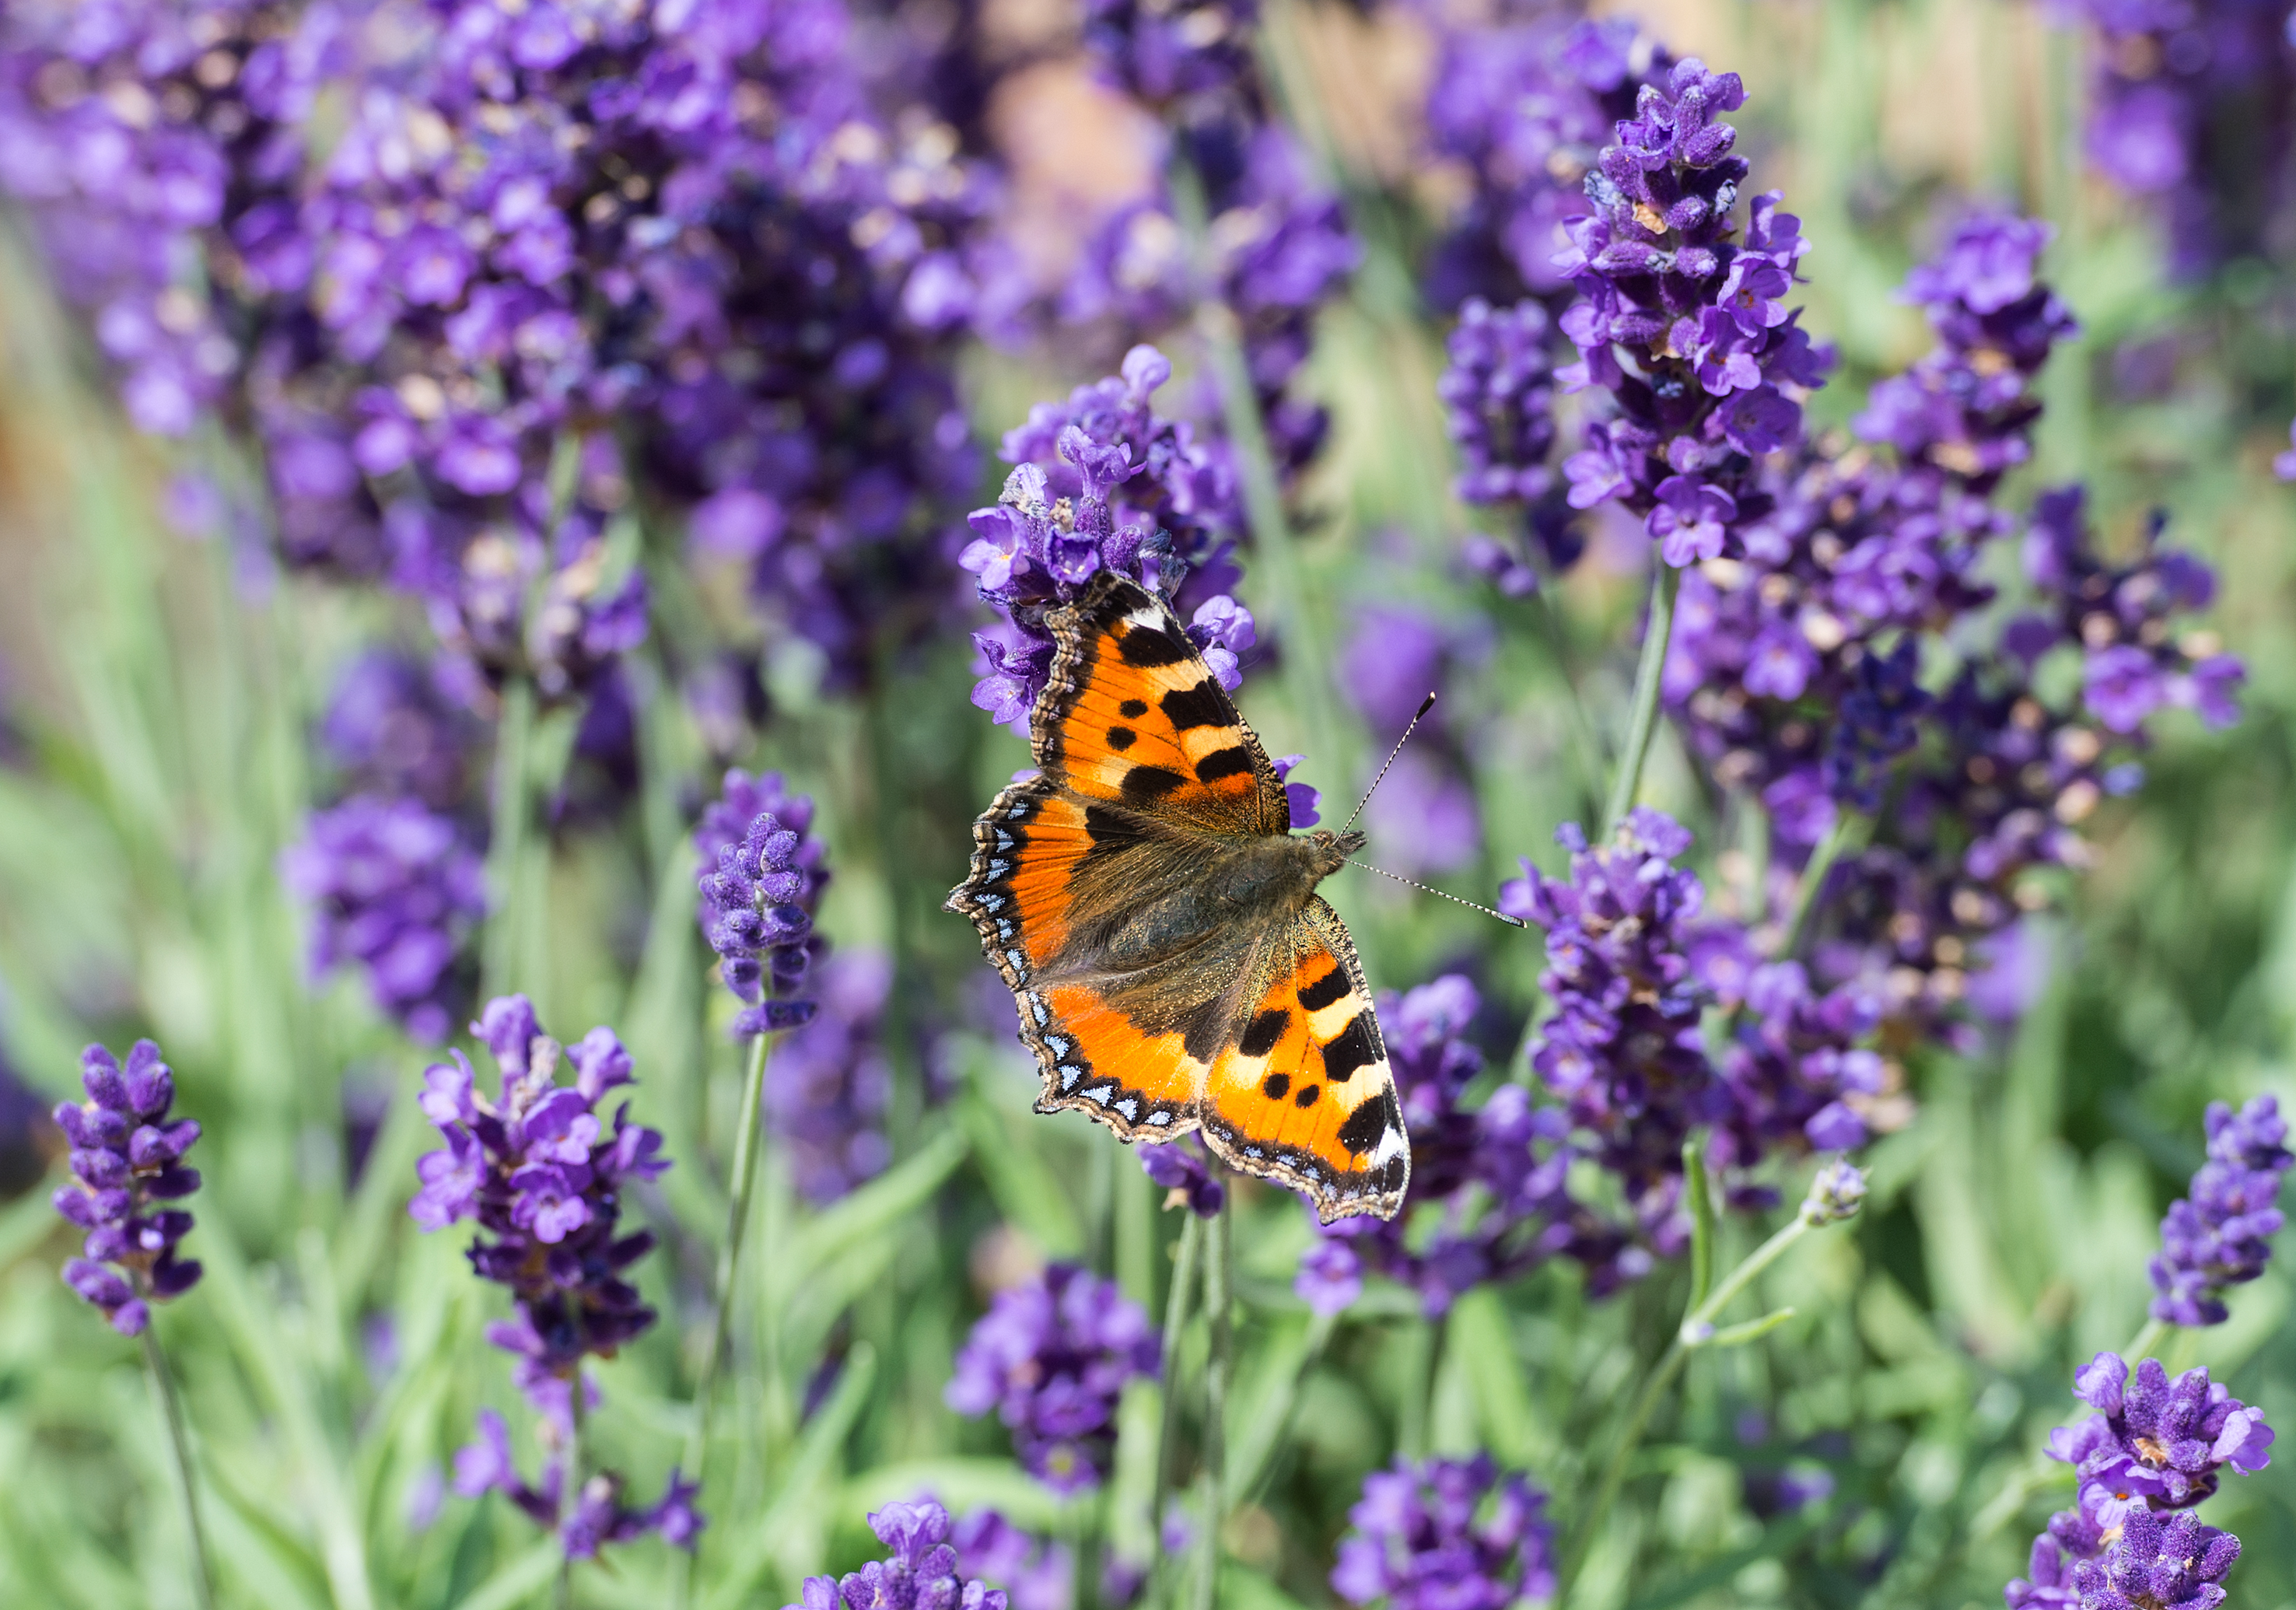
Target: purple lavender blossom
1051	1357
1446	1534
126	1159
1684	326
1797	1073
1497	392
1187	1175
2153	1442
390	728
2121	616
2071	1537
761	879
1100	482
1623	1048
541	1174
398	890
2221	1233
2159	1563
920	1571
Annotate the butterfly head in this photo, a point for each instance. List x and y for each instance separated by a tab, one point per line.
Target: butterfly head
1331	850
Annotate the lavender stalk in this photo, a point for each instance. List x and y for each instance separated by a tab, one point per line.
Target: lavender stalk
1642	720
1218	1365
1176	1324
179	1449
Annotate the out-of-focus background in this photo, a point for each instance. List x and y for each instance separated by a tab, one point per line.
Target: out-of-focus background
158	677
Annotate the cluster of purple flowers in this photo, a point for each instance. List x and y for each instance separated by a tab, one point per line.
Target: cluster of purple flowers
1103	483
1187	1174
1682	325
127	1160
392	873
2188	108
541	1173
1623	1048
2221	1233
1523	106
1493	1179
1446	1534
761	878
2154	1448
1051	1357
919	1574
545	256
395	890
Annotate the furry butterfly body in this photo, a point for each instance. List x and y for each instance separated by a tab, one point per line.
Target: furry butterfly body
1146	901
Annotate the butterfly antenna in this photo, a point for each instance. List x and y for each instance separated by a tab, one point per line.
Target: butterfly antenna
1511	922
1425	705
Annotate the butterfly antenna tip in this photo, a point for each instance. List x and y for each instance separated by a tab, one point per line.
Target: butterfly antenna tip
1511	922
1425	705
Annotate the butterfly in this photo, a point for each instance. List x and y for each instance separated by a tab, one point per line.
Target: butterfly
1156	918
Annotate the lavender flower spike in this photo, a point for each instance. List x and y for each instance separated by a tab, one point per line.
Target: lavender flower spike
2153	1442
1414	1542
2221	1233
539	1171
126	1156
919	1574
761	879
1052	1358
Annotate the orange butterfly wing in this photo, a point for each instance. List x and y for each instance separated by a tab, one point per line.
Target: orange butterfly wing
1303	1095
1132	716
1146	1005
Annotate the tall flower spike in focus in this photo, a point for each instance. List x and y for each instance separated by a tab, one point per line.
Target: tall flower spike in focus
761	878
1051	1357
1623	1046
1683	324
127	1161
2219	1233
1446	1533
543	1175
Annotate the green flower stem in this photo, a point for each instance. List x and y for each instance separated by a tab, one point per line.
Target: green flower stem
507	845
1641	720
179	1448
746	1147
1702	1218
1696	1331
1175	1324
1218	1365
1255	1461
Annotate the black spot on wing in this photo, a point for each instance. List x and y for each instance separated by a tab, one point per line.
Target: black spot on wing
1275	1085
1132	710
1202	705
1234	762
1307	1096
1109	831
1351	1052
1145	784
1122	738
1150	646
1366	1124
1265	1031
1333	986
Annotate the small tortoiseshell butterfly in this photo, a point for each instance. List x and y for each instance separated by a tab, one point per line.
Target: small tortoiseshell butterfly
1157	920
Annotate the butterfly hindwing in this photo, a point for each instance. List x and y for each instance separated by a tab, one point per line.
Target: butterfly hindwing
1303	1092
1133	716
